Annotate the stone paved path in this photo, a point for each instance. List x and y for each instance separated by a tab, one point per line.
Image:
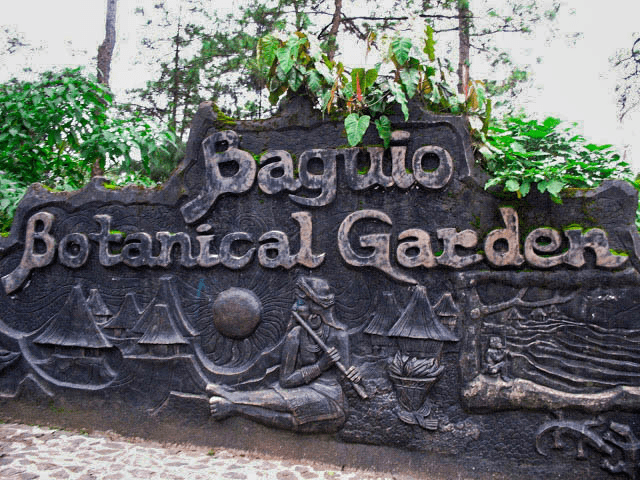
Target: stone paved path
31	452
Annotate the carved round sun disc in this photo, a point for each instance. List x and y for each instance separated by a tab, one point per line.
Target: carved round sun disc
237	312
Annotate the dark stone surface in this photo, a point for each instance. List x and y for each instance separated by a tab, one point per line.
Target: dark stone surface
376	306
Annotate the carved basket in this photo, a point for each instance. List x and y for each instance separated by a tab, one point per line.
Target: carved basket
412	392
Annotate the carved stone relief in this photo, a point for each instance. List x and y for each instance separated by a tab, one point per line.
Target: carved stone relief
307	396
378	296
614	444
551	348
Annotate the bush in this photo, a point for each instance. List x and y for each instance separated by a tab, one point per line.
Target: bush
53	130
520	153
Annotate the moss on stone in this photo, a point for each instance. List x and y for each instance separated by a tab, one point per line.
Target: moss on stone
619	253
572	226
223	121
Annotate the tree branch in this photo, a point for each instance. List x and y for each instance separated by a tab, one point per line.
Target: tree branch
443	30
335	26
498	30
422	15
375	18
480	49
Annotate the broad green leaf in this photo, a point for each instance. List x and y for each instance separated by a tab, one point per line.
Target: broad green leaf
285	62
596	148
328	63
481	93
542	186
486	152
295	79
356	126
512	185
348	91
492	183
536	133
517	147
325	99
554	187
281	74
383	124
314	82
266	50
323	70
371	77
524	188
410	79
400	47
288	54
551	122
435	96
400	97
359	74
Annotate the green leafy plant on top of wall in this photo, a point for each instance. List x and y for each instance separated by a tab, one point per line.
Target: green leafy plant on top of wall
517	152
520	153
365	97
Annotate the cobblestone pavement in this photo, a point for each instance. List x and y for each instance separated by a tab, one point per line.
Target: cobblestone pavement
31	452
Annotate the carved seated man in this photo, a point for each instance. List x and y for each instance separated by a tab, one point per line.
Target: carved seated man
308	396
495	357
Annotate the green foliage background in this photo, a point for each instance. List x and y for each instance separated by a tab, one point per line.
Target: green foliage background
55	129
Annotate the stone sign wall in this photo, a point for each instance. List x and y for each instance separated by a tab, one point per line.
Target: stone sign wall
351	295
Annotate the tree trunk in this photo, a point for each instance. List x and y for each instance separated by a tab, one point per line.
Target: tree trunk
335	26
175	88
105	51
464	27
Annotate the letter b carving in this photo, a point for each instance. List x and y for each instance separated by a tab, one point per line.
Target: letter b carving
216	183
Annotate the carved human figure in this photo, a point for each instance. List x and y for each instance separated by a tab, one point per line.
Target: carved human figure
496	357
307	397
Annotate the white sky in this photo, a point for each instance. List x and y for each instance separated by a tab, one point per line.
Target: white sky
574	81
